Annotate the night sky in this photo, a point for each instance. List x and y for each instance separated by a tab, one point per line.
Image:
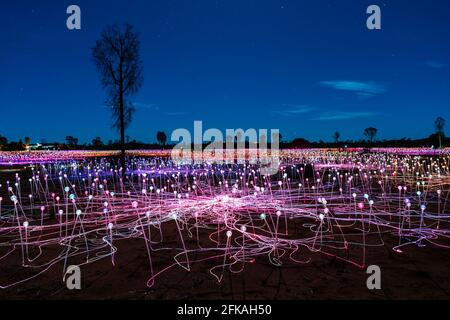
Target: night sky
308	68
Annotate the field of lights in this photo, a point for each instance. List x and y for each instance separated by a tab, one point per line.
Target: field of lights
71	207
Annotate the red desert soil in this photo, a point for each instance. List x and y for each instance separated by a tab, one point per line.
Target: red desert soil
417	273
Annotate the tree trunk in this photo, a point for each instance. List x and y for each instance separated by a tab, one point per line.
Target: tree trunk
122	123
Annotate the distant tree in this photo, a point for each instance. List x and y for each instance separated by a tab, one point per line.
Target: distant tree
336	136
27	141
14	146
97	143
439	124
161	137
72	142
117	58
3	141
370	133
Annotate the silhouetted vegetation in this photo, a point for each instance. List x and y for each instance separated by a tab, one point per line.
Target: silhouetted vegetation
3	141
336	136
71	142
434	140
297	143
117	58
97	143
13	146
439	124
370	133
161	137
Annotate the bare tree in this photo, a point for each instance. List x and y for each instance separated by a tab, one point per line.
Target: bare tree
439	124
116	56
370	133
336	136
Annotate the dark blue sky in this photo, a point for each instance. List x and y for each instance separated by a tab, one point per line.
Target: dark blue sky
308	68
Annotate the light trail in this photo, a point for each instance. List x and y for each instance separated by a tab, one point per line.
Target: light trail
74	206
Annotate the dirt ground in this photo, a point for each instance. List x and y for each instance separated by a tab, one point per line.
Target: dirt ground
417	273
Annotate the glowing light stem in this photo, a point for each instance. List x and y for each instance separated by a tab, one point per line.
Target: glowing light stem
20	232
148	244
110	229
184	246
